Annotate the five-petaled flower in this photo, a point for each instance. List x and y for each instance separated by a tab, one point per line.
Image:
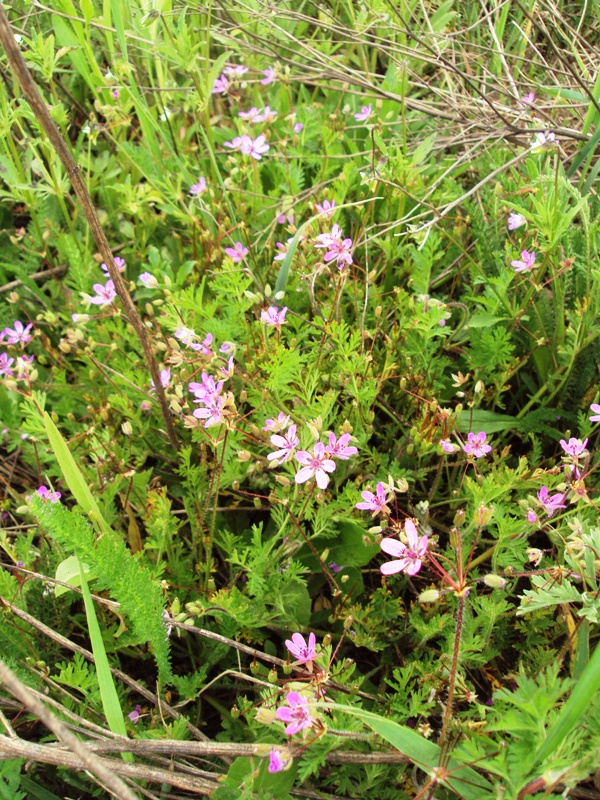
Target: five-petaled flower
303	652
515	221
364	113
447	446
273	316
199	188
551	504
249	146
338	448
409	557
595	407
105	295
476	445
374	502
528	99
165	379
338	248
326	208
297	715
237	253
17	335
269	74
525	263
5	365
574	447
221	85
279	424
235	71
287	445
120	264
315	464
46	494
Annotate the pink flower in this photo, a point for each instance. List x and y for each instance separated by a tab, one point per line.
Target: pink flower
515	221
256	148
23	366
148	279
198	188
339	449
364	113
17	335
302	652
526	263
250	115
119	264
298	127
212	412
447	446
544	141
207	390
274	317
374	502
186	336
115	93
595	407
5	365
46	494
237	253
532	516
269	74
165	379
527	99
279	424
326	208
551	504
410	557
574	447
235	71
105	295
287	445
476	445
278	760
338	249
315	464
135	714
229	369
221	85
266	115
297	715
235	144
283	248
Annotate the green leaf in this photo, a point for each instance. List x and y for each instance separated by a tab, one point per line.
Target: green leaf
488	421
461	779
68	571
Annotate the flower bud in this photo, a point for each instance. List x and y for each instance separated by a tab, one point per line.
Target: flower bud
272	676
127	428
243	455
459	517
495	581
482	515
429	596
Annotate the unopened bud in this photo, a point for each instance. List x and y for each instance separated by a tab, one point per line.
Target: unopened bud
429	596
344	578
402	485
243	396
127	428
265	715
479	387
495	581
459	517
482	515
272	676
283	480
243	455
348	623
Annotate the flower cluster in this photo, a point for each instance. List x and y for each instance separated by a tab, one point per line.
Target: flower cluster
21	366
337	248
253	115
248	146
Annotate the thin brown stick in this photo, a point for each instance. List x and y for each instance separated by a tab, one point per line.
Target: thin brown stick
88	760
39	108
55	272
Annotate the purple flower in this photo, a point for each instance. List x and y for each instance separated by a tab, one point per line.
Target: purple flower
273	316
255	148
148	280
5	365
298	127
135	714
409	557
17	335
297	715
525	264
278	760
515	221
326	208
364	113
221	85
119	264
551	504
212	413
287	445
595	407
476	445
105	295
302	652
283	249
338	249
237	253
544	141
250	115
198	188
338	448
186	336
315	464
447	446
115	93
207	389
227	371
527	99
374	502
235	143
269	74
235	71
267	114
574	447
47	495
335	567
532	516
279	424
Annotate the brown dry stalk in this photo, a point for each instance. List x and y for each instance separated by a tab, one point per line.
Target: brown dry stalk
87	759
39	108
